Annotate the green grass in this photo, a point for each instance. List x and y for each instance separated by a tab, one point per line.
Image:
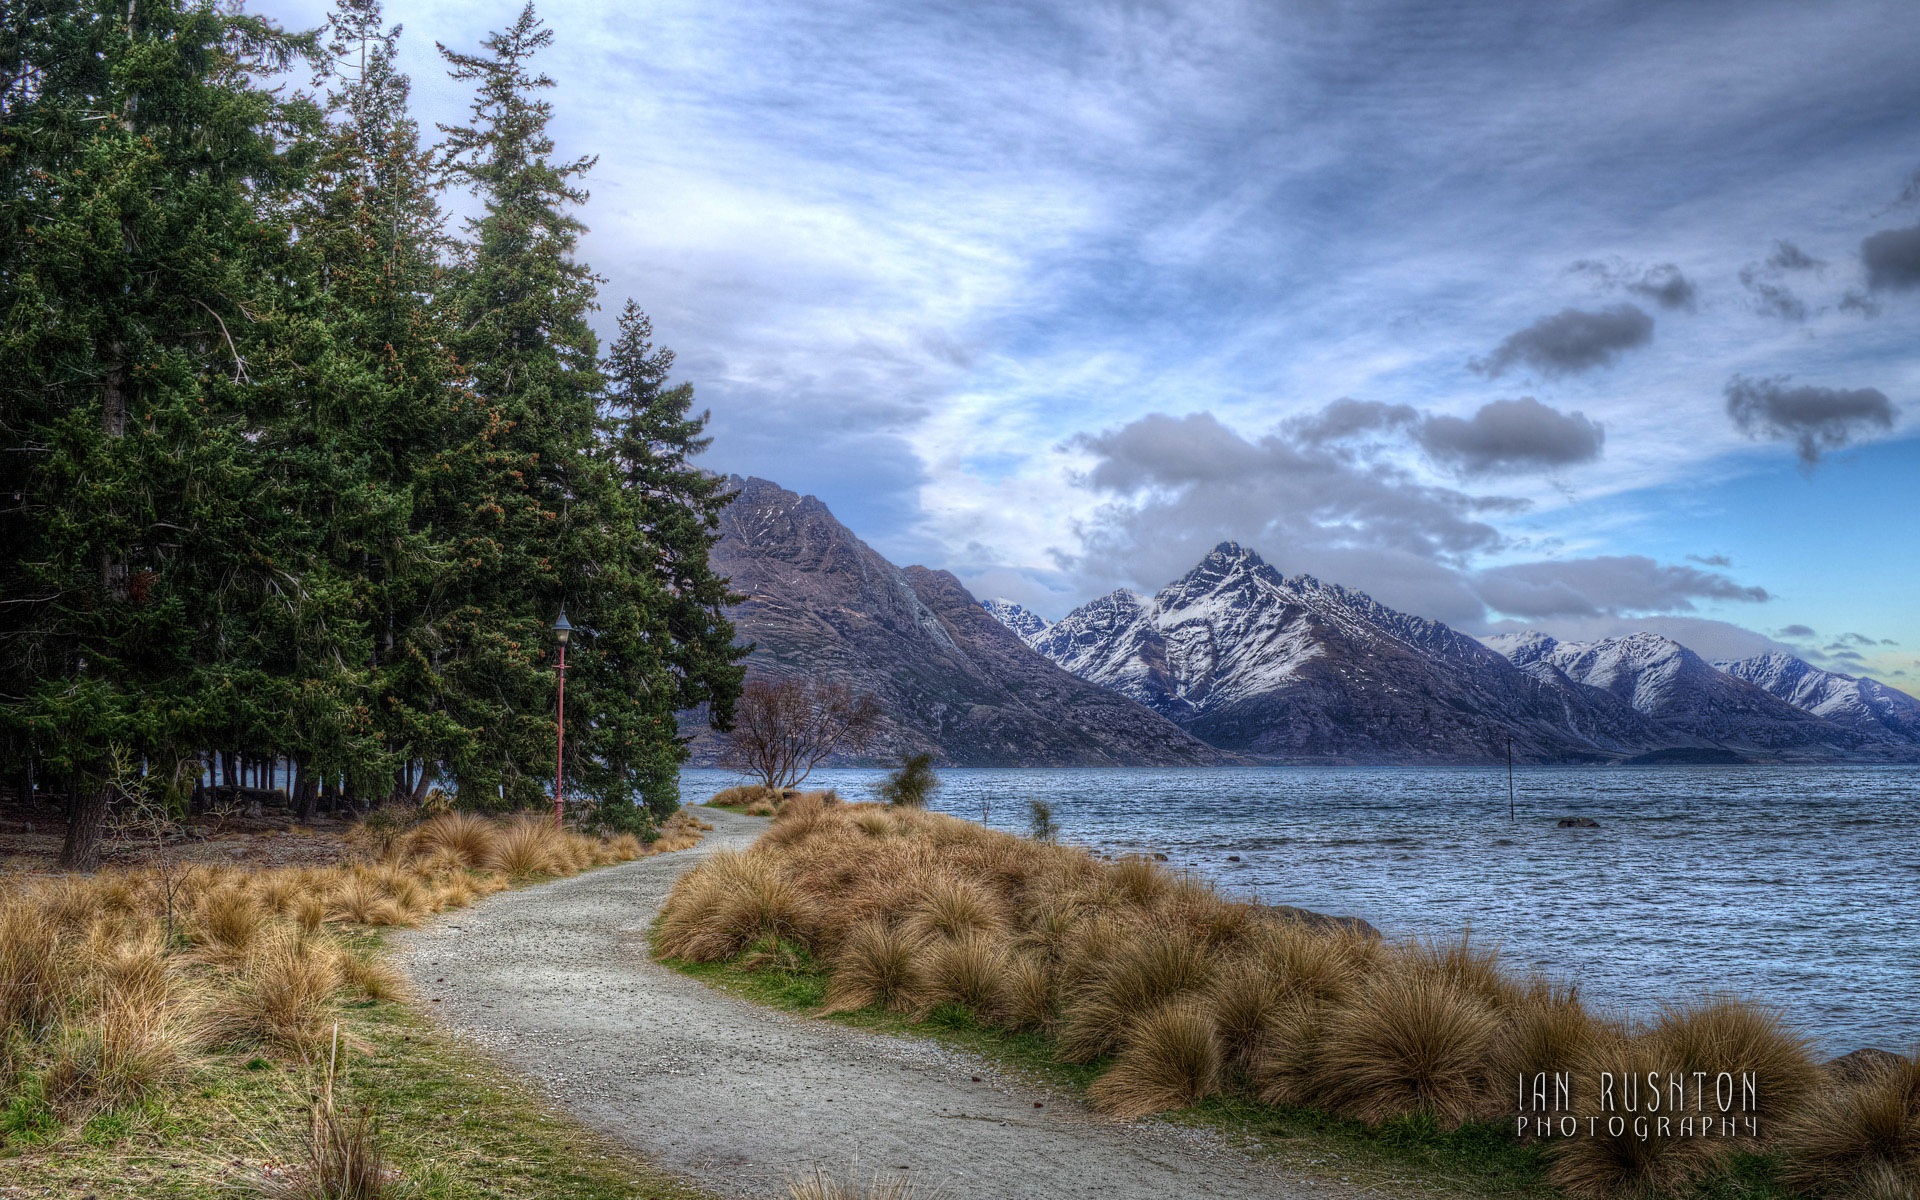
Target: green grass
1410	1156
455	1126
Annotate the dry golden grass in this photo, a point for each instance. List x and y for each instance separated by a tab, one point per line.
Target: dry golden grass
1726	1034
104	1005
31	966
1171	1059
873	966
1633	1161
734	900
1860	1141
1179	993
966	971
1129	978
1411	1041
850	1185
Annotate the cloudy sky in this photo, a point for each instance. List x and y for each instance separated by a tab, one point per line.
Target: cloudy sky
1580	316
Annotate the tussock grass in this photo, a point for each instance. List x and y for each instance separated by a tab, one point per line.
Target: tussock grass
821	1184
964	971
1171	1059
106	1008
1860	1141
1410	1042
1174	997
875	965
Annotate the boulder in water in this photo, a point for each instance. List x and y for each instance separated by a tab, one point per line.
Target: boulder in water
1578	823
1863	1063
1321	921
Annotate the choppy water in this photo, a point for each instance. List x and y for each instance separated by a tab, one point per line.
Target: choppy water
1799	886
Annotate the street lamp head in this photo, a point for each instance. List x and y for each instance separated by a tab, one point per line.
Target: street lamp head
563	628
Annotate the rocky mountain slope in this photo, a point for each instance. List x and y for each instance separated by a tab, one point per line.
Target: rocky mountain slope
1864	705
950	678
1298	669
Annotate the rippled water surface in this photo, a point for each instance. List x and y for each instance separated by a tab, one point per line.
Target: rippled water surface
1800	886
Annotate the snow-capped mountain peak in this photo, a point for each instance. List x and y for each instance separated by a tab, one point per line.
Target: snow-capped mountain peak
1023	621
1859	703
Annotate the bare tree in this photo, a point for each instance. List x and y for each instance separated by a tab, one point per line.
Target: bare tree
784	728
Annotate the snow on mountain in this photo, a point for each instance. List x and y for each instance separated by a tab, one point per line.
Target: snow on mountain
1023	621
1683	693
1861	704
1294	667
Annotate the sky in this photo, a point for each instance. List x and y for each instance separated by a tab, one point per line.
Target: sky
1585	317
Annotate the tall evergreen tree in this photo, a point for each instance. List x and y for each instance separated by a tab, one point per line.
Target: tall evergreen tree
675	511
381	417
529	501
142	249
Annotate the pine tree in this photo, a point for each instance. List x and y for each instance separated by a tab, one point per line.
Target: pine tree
528	497
675	510
142	169
382	415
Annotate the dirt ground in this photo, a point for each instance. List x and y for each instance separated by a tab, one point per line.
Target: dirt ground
30	836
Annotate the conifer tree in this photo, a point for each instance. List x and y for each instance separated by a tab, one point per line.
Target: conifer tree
532	503
675	511
382	412
142	169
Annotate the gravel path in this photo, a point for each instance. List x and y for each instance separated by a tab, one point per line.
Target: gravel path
556	981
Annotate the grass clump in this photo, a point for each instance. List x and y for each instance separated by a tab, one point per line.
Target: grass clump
1860	1141
1157	994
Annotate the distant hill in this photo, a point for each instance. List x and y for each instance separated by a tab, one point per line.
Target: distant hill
951	679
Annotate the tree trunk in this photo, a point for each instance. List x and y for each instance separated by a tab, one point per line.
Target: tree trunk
420	788
86	814
308	805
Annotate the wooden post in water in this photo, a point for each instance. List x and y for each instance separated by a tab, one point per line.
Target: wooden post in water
1509	777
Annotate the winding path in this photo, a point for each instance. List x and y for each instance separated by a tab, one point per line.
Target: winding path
556	981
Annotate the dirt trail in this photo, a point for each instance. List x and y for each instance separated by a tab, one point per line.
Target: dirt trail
556	981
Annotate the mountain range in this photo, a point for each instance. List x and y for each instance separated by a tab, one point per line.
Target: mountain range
1236	662
950	679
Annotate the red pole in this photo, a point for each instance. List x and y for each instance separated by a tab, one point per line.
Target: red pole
560	744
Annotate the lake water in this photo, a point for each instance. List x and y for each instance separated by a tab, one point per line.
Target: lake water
1798	886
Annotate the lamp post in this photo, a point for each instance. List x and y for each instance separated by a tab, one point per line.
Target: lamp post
562	630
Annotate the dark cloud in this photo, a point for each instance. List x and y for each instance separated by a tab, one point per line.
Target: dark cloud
1849	655
1665	286
1347	418
1860	303
1663	283
1511	436
1892	258
1770	298
1859	639
1788	257
1310	500
1610	585
1501	437
1710	560
1815	419
1570	341
1798	631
